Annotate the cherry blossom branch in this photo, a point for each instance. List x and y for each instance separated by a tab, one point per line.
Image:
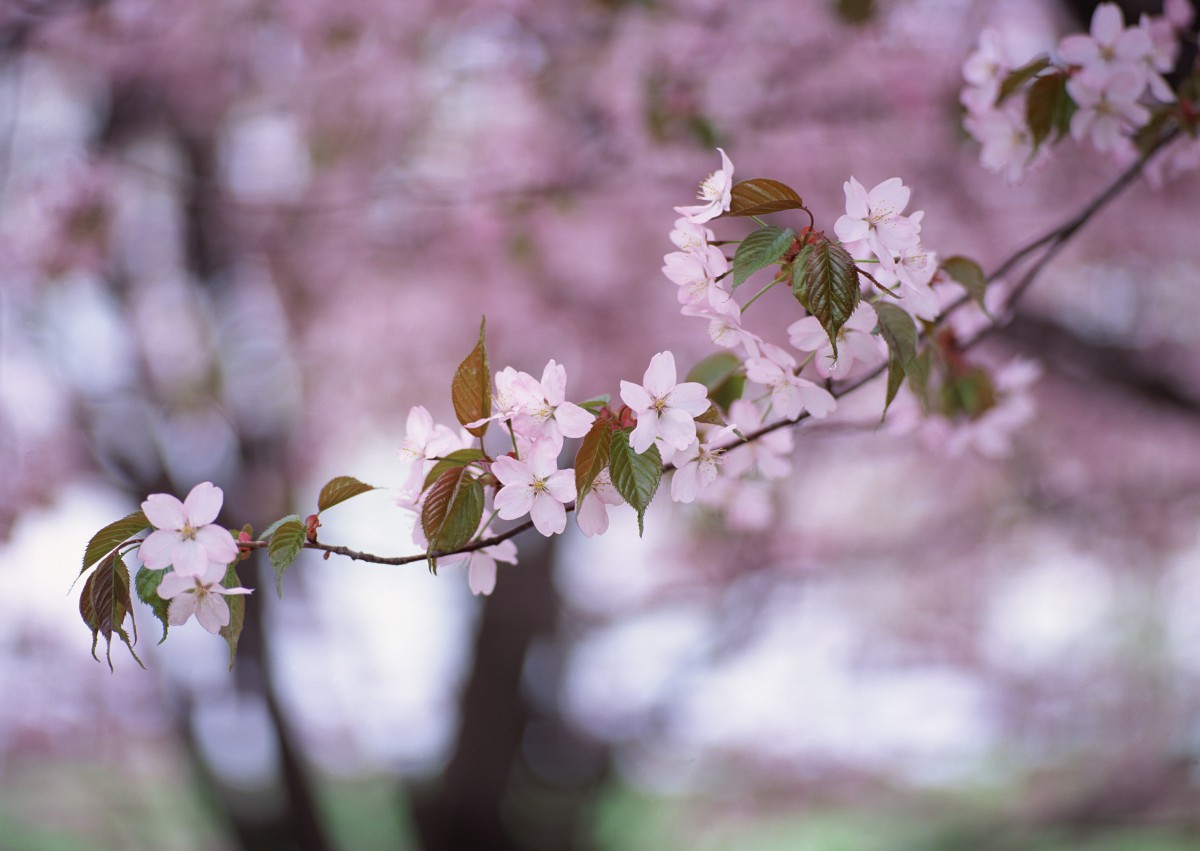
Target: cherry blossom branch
1056	239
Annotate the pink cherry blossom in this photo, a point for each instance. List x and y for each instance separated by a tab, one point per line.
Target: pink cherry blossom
875	217
769	454
592	512
664	408
791	395
856	343
481	564
696	273
185	535
545	414
1108	45
537	488
423	440
201	595
696	467
1108	105
690	237
714	191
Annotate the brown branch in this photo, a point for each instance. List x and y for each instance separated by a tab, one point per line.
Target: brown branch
1054	241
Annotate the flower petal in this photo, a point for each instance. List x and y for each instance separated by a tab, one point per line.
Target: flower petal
549	516
203	503
218	543
212	612
164	511
660	375
513	501
172	585
481	575
635	397
573	421
155	552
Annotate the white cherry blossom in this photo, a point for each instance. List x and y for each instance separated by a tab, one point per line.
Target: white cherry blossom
185	535
537	488
664	408
201	595
714	192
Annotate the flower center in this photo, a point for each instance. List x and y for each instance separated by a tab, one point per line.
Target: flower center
710	189
188	531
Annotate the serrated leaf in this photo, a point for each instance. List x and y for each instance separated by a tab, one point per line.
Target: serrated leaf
594	405
900	333
104	604
146	582
799	276
1047	107
831	286
340	489
286	544
759	250
722	374
274	527
111	537
967	273
636	477
919	371
761	196
452	512
1017	78
232	631
592	457
471	390
459	458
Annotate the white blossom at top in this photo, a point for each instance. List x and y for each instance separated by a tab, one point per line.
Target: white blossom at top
715	192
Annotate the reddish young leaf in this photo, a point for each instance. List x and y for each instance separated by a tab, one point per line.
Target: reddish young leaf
452	512
340	489
471	390
104	603
112	536
761	196
592	457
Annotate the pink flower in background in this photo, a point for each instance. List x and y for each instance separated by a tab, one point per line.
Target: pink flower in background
537	488
481	564
1109	44
791	395
202	596
856	343
696	468
664	408
424	440
770	454
714	191
185	535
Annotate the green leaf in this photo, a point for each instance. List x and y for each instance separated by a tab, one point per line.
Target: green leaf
340	489
967	273
146	582
274	527
458	458
761	196
452	512
594	405
1017	78
969	394
286	543
471	390
232	631
1048	107
712	417
759	250
830	284
722	374
104	603
592	458
900	333
111	537
636	477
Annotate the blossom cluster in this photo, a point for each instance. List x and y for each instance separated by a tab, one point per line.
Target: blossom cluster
1107	81
456	488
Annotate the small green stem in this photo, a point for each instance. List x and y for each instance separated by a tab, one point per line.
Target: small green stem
754	297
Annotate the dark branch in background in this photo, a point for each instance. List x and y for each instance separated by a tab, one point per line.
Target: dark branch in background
1053	242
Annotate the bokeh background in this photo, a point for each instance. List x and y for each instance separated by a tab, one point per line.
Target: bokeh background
240	238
